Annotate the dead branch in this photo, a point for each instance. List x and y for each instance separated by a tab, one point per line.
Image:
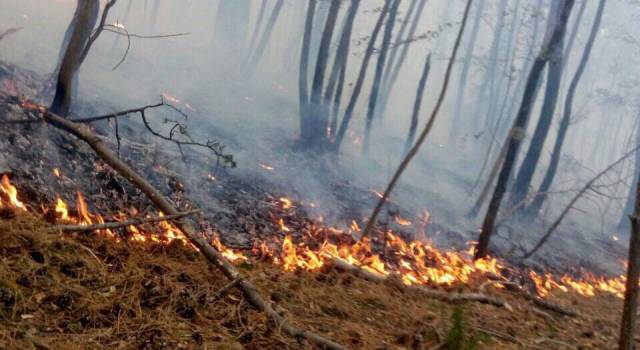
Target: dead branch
423	135
119	114
224	290
9	31
573	201
210	253
429	292
121	224
96	33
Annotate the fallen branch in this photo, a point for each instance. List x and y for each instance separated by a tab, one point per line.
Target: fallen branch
9	31
121	224
224	290
210	253
453	297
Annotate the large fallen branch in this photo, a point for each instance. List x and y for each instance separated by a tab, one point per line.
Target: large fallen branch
211	254
121	224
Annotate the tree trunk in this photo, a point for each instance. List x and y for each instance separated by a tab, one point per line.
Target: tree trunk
630	307
530	162
377	79
357	89
317	122
256	55
555	31
550	174
336	79
231	26
464	73
257	26
417	104
303	80
84	23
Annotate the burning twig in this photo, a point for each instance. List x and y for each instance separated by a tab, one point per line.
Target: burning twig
116	225
214	256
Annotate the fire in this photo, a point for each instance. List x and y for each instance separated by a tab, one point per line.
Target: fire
402	221
414	262
266	167
56	172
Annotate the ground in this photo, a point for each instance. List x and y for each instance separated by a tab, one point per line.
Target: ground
61	291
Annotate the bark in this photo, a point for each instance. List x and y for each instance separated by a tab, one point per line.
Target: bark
357	88
336	79
317	122
464	73
555	32
566	115
530	162
630	307
417	104
84	23
629	203
303	80
425	132
377	78
256	56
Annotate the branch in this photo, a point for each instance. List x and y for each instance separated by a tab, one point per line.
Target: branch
97	31
584	189
121	224
210	253
9	32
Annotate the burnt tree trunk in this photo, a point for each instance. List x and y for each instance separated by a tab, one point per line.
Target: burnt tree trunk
550	174
87	12
377	79
257	26
417	104
256	55
555	32
357	88
231	26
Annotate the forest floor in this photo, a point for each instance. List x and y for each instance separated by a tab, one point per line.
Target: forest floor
61	291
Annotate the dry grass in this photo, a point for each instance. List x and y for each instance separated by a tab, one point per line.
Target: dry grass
86	291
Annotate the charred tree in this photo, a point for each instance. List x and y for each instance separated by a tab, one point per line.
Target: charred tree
257	26
256	54
417	104
83	24
231	26
555	31
357	89
377	79
550	173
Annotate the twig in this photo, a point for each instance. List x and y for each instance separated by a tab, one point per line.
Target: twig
119	114
97	31
224	290
584	189
423	135
121	224
209	252
9	32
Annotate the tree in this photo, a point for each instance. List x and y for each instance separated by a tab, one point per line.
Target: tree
231	26
417	104
303	80
555	31
377	79
82	26
255	56
550	173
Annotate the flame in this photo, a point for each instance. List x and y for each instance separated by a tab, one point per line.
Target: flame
402	221
414	262
56	172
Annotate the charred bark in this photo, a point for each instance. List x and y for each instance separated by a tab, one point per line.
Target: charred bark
303	80
630	307
550	174
555	32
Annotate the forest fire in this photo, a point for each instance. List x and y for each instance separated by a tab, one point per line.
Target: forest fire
415	263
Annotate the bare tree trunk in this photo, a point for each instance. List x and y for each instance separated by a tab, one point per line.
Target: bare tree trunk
425	132
555	31
357	89
231	27
417	104
630	307
336	79
303	80
317	122
527	169
550	174
84	23
464	73
256	55
377	79
257	26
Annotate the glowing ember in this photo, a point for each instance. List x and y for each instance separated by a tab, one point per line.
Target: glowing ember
265	167
283	227
402	221
286	203
56	172
170	98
